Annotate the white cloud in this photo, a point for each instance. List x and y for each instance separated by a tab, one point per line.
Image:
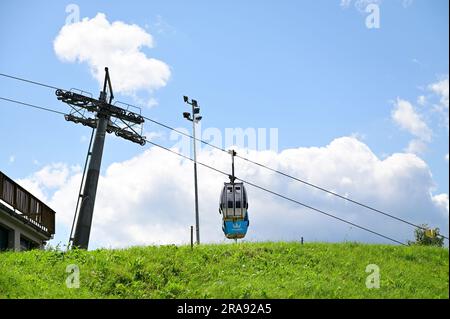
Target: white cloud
149	198
117	45
151	135
441	89
148	102
345	3
11	159
50	178
416	146
358	136
408	119
442	201
161	26
422	100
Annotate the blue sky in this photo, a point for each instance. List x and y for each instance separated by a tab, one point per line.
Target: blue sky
312	69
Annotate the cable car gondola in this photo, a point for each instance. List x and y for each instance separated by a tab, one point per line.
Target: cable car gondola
234	207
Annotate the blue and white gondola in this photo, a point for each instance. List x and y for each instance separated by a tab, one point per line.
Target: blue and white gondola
234	210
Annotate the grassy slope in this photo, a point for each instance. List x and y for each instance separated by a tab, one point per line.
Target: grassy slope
262	270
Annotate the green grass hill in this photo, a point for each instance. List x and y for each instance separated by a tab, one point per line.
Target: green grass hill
243	270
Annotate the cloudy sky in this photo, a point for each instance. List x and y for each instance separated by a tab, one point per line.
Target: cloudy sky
350	95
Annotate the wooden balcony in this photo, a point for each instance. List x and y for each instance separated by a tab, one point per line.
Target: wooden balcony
26	207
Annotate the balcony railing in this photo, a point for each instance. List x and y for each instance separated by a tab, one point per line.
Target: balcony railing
26	206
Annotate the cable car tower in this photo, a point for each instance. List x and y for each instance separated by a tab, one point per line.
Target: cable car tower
108	118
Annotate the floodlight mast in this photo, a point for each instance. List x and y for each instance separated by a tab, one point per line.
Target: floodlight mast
104	111
194	117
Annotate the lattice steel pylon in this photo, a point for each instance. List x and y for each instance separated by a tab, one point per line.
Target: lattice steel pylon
105	121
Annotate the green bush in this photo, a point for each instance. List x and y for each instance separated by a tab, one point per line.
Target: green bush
427	237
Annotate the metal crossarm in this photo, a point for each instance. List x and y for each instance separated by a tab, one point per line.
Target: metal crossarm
96	106
80	120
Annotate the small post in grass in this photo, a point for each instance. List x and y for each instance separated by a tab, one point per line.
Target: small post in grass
301	240
192	237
